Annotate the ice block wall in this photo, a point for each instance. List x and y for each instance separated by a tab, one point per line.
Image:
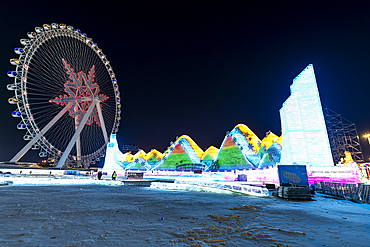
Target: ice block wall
305	138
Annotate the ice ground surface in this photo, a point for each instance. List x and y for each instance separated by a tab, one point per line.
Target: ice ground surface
50	180
96	215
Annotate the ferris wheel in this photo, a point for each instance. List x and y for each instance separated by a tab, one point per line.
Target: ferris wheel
66	95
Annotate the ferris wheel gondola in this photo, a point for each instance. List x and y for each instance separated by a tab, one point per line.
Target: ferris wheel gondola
66	94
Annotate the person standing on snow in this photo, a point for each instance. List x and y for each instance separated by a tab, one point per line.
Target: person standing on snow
114	175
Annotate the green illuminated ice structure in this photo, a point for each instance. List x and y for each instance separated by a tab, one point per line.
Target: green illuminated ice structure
305	139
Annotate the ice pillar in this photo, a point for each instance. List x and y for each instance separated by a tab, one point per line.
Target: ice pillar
305	139
112	158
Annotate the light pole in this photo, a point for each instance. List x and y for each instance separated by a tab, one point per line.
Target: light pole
368	137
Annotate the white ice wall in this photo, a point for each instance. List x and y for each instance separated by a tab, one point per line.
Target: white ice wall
305	139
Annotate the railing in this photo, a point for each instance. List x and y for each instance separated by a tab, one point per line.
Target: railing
349	191
232	186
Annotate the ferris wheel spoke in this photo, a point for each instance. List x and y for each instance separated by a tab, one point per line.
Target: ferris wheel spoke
39	135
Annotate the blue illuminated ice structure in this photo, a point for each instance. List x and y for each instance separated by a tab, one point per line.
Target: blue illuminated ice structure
305	139
112	159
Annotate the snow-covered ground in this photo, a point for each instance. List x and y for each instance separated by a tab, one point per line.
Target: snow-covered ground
96	215
54	180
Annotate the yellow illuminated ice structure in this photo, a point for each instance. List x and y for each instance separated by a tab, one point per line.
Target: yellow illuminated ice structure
183	151
127	157
270	139
348	158
238	150
154	153
140	154
209	156
212	151
270	150
280	140
250	136
138	161
197	150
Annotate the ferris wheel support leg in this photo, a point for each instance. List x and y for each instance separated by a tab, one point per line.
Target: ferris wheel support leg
78	148
102	124
27	147
76	135
78	143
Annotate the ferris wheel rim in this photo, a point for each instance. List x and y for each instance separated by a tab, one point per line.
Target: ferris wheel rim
30	48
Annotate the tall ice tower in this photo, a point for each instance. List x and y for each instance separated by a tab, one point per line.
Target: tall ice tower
305	139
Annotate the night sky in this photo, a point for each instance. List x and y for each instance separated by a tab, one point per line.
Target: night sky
201	68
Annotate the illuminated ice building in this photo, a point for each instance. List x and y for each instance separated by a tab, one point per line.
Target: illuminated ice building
303	126
304	141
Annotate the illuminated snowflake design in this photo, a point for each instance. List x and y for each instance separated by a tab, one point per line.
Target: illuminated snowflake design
81	91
